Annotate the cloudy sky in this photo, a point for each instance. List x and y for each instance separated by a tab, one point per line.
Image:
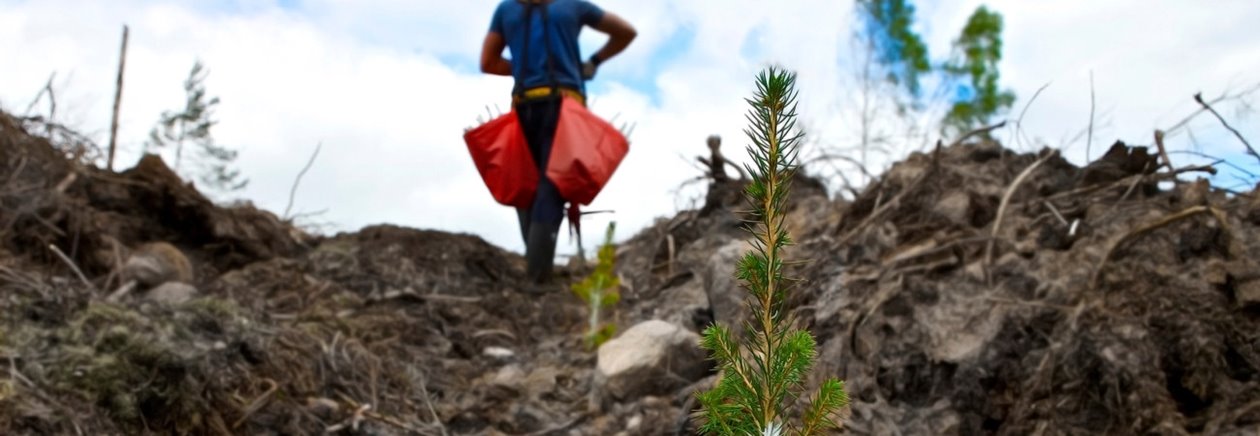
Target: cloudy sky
388	86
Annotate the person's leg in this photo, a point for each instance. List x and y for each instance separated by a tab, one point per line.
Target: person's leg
547	212
523	216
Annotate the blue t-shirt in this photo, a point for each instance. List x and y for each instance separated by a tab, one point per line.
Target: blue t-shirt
566	18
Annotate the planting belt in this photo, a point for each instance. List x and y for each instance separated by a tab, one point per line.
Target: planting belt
543	92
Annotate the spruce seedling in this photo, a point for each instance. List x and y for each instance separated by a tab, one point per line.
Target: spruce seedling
599	291
765	372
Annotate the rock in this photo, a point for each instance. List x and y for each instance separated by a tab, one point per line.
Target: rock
1248	293
321	407
509	380
956	206
726	296
498	353
653	357
155	263
172	293
685	304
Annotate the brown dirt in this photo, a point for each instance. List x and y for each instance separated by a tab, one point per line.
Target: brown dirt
1128	324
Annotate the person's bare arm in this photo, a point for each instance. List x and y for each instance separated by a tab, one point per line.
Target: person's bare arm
620	34
492	60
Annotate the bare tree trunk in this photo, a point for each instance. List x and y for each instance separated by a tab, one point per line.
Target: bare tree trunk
113	126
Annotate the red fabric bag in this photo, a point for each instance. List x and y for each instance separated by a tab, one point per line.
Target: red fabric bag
585	153
501	154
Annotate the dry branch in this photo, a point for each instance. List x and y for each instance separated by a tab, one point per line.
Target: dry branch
979	131
1006	201
879	211
298	180
72	266
1250	150
1019	123
52	101
113	126
1089	139
1163	151
1163	222
258	403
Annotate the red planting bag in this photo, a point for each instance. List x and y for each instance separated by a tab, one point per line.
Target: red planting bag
501	154
585	153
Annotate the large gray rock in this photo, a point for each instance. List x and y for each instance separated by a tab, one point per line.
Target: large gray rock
652	358
685	304
726	295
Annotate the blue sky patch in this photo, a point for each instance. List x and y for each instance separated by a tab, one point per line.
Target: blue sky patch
643	80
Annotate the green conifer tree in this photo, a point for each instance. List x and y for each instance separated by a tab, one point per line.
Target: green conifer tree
764	372
192	125
599	291
978	51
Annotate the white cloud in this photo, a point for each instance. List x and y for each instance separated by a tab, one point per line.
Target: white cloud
387	85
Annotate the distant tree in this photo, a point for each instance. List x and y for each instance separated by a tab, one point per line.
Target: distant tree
887	31
977	53
893	58
192	125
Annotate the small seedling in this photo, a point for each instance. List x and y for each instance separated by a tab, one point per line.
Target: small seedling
765	372
599	291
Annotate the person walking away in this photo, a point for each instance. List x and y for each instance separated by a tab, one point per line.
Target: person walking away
542	37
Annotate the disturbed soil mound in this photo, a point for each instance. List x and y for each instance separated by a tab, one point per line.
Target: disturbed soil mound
971	290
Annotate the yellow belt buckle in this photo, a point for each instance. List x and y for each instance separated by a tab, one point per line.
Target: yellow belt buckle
546	91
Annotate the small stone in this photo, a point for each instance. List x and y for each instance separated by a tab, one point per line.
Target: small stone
172	293
322	407
634	422
498	353
510	377
1248	293
956	207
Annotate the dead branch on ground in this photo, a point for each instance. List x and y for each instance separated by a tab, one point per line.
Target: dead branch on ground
1006	201
1163	222
72	266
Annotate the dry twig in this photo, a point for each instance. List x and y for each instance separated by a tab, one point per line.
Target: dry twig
428	402
1223	97
1250	150
1089	139
258	403
1163	151
298	180
1019	123
1163	222
113	126
979	131
1006	201
72	266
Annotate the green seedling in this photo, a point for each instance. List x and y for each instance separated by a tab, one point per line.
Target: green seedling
599	291
765	372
